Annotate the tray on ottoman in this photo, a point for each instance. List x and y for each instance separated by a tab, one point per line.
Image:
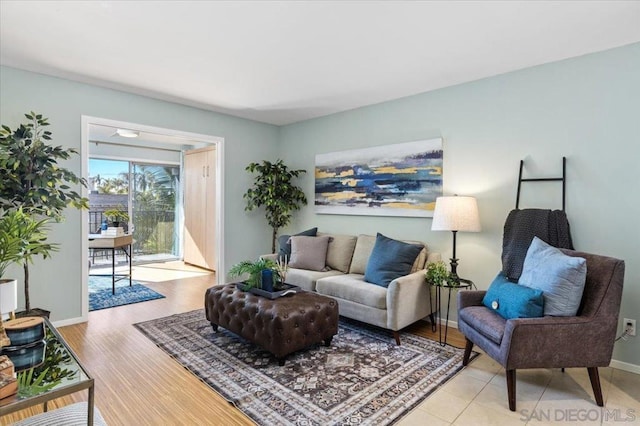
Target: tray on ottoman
287	290
280	326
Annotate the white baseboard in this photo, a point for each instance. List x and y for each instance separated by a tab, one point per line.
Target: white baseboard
626	366
69	321
620	365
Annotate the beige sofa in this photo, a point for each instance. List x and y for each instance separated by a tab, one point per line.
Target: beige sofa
404	302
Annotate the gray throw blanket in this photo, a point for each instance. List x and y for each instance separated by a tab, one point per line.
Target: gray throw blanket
521	226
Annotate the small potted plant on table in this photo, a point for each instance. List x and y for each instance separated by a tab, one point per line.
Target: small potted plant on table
256	271
438	275
117	217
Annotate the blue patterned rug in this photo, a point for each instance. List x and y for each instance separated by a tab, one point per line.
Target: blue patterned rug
362	378
100	296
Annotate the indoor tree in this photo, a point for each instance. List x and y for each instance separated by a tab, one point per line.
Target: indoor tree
32	179
273	189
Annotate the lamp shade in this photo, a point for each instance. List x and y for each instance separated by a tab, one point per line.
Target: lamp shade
8	296
456	214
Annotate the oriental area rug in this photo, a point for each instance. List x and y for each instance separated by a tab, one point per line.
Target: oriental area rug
101	297
363	377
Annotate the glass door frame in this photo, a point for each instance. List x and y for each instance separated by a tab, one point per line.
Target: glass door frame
178	218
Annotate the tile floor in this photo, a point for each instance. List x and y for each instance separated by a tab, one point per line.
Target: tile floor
478	396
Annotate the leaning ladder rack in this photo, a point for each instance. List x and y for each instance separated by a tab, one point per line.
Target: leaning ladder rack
562	179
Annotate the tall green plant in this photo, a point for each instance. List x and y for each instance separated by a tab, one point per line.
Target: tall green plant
273	188
32	179
11	245
30	176
30	237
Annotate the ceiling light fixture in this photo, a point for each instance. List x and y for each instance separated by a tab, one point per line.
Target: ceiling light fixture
125	133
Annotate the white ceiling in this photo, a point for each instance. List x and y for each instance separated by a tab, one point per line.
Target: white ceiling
283	62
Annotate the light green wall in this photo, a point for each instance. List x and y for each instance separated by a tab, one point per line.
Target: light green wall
56	283
586	109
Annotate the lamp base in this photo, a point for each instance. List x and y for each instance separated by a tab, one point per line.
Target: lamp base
454	269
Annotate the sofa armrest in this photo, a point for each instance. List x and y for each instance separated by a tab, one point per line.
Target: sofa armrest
433	257
470	298
407	300
269	256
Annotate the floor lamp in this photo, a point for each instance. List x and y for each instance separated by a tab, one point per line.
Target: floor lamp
456	214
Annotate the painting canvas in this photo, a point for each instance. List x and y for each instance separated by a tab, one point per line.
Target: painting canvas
393	180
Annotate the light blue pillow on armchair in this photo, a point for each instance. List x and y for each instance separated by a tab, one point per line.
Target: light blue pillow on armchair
512	300
560	277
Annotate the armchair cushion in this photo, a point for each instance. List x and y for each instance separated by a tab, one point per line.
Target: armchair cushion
511	300
390	259
485	322
560	277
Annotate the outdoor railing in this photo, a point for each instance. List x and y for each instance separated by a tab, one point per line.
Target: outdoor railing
153	230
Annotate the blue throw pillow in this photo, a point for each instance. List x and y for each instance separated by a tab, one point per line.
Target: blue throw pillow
560	277
390	259
285	244
511	300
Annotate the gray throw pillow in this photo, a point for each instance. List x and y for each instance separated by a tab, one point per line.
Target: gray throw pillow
560	277
309	252
285	245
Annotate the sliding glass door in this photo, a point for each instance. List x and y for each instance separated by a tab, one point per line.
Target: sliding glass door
150	193
155	197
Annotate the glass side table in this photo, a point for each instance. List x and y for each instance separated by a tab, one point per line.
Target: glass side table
463	284
53	354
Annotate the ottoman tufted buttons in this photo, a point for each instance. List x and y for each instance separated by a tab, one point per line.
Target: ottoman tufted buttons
280	326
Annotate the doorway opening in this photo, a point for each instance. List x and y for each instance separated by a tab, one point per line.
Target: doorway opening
139	170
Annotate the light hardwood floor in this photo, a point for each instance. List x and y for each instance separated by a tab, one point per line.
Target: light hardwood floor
138	384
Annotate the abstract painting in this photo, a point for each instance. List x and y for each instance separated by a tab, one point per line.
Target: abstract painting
393	180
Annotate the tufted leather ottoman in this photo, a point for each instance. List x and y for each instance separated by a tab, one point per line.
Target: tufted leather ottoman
281	326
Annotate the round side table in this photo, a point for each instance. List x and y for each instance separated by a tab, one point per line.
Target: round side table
462	284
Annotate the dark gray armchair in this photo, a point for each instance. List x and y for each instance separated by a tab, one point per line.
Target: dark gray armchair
585	340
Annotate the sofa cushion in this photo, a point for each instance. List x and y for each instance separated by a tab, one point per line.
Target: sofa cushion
285	244
510	300
305	279
422	256
352	287
560	277
390	259
309	252
361	253
340	251
485	322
